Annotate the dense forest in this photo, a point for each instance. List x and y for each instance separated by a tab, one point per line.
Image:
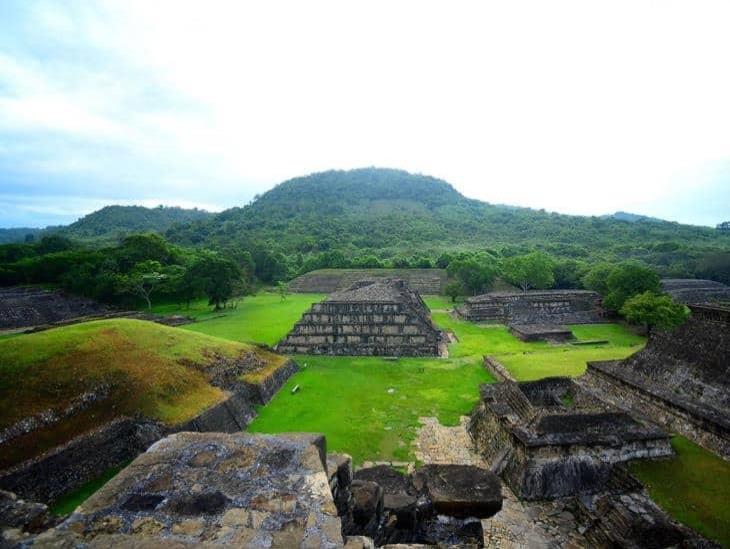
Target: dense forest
359	218
388	214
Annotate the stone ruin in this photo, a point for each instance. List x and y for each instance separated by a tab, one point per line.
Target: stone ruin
327	281
381	317
22	307
551	438
692	291
541	332
280	491
57	471
680	380
534	307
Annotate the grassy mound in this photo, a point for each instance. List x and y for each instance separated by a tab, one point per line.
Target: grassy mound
142	368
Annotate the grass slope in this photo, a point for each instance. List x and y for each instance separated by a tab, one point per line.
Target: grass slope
263	318
152	370
693	487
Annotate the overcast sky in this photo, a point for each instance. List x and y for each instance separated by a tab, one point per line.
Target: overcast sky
578	107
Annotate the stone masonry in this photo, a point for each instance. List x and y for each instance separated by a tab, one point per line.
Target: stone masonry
679	380
550	438
534	307
372	318
696	291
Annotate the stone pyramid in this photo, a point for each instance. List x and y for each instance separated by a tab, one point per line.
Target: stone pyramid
381	317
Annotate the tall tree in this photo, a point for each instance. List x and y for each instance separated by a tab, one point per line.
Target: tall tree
144	279
627	280
530	271
476	273
217	275
654	311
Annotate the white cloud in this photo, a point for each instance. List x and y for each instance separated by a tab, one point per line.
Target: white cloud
577	107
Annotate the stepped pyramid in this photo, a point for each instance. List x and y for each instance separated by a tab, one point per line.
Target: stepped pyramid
382	317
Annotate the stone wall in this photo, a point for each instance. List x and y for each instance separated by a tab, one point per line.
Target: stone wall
696	291
681	379
326	281
21	307
546	449
534	307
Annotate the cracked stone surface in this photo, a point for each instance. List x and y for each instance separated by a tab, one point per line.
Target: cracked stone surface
213	489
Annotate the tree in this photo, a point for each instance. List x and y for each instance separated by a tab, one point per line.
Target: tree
283	289
596	278
568	273
530	271
475	273
144	279
454	289
654	311
627	280
217	275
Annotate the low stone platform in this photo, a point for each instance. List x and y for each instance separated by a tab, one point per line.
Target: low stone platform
213	488
534	307
550	438
327	281
541	332
692	291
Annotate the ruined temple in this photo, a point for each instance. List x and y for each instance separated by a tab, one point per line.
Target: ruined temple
551	438
381	317
681	379
696	291
534	307
25	306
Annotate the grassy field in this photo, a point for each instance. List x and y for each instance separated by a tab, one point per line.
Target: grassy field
150	369
262	318
369	407
693	487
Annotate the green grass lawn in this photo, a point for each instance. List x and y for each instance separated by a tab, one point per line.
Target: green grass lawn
369	407
261	318
693	487
70	501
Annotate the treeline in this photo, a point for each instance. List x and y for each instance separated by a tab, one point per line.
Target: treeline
142	268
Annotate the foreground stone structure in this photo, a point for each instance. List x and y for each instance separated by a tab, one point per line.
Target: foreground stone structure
681	379
372	318
692	291
327	281
281	491
551	438
534	307
22	307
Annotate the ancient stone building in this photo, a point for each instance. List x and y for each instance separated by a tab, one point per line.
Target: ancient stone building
534	307
696	291
681	379
373	317
22	307
551	438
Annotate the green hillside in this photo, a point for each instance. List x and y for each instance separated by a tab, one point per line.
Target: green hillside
385	211
144	369
113	222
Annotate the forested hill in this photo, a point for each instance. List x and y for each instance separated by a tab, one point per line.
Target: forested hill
112	222
384	211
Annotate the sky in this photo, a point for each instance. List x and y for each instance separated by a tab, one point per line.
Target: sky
578	107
